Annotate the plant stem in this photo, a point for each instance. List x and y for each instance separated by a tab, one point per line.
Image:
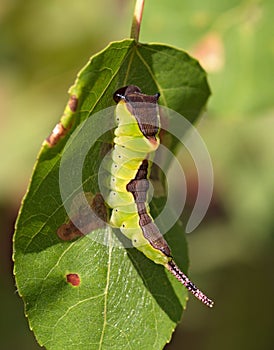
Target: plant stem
137	19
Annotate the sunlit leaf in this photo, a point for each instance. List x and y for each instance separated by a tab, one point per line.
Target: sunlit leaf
80	293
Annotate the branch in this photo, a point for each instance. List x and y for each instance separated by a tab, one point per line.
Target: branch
137	19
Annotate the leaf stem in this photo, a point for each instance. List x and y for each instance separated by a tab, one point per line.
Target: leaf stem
137	19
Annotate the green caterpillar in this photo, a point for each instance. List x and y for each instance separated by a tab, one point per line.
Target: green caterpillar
136	139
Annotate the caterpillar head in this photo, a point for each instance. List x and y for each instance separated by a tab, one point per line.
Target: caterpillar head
143	107
123	92
132	93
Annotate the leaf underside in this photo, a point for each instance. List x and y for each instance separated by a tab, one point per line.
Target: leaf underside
123	300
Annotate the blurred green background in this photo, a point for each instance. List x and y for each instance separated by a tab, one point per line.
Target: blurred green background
42	47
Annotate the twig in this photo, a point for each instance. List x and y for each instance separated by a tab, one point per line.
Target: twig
137	19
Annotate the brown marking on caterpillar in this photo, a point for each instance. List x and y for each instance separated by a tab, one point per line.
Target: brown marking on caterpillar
143	107
145	219
152	139
84	218
57	133
73	279
164	121
139	187
73	103
155	238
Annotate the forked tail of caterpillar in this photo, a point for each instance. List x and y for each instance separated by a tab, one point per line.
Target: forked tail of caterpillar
174	269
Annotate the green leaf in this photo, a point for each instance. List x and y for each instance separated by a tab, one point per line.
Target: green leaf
122	299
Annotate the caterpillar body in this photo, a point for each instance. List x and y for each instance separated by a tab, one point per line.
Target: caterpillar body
136	139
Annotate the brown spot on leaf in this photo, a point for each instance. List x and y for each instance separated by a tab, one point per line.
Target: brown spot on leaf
57	133
73	279
86	216
68	232
73	102
105	148
98	205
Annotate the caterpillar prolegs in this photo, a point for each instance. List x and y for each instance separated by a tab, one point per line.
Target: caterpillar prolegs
136	139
